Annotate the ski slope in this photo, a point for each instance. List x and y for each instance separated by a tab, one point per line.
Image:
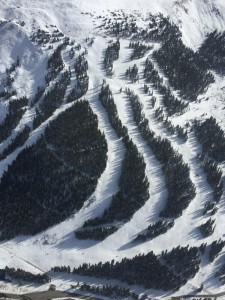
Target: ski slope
79	19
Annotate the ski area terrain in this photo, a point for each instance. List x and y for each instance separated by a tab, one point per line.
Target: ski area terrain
112	148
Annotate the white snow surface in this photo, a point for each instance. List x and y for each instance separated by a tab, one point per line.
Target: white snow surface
57	245
195	17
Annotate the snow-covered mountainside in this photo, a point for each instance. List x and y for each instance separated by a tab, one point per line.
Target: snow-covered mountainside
112	146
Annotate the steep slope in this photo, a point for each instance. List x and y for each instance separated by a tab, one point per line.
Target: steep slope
195	18
198	18
32	61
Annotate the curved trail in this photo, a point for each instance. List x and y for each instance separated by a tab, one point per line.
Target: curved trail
158	193
58	243
108	182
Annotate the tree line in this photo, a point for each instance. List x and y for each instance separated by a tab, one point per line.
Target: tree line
81	67
181	132
133	193
133	184
52	100
215	249
171	103
123	28
214	176
207	228
110	291
62	171
178	259
17	109
211	137
20	274
132	73
111	54
210	207
213	51
154	230
180	188
185	69
139	49
168	272
55	64
8	92
18	141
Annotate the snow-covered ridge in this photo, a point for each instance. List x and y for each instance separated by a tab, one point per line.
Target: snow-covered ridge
196	18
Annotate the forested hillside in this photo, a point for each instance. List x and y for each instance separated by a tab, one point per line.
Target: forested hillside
112	147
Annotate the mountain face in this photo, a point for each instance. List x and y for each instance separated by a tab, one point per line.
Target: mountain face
195	18
112	146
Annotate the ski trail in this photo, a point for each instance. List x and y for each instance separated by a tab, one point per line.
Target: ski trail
58	244
108	182
191	217
21	259
158	193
